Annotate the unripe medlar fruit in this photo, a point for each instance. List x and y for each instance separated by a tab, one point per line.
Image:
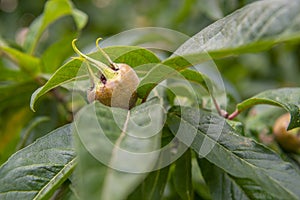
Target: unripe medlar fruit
288	140
116	84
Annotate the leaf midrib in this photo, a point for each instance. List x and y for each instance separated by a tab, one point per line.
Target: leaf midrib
64	172
116	146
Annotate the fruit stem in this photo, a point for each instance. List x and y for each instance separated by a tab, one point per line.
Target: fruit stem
105	70
221	112
112	64
234	114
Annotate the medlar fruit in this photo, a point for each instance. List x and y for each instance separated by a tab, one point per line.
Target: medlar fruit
115	84
288	140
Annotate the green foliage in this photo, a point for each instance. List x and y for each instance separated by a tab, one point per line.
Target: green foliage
133	56
273	22
287	98
183	139
124	165
54	10
182	176
23	71
39	169
258	171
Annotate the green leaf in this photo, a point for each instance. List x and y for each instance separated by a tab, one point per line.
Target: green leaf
171	69
54	9
255	27
199	184
182	176
287	98
116	148
63	75
153	186
32	124
258	171
10	126
54	55
36	171
133	56
197	77
212	9
80	18
16	95
27	63
221	184
8	74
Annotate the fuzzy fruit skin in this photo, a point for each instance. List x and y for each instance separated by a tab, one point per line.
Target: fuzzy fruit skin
288	140
119	91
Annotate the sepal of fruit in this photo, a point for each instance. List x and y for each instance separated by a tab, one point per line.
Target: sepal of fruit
288	140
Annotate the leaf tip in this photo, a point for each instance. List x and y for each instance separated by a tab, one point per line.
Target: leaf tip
32	105
34	98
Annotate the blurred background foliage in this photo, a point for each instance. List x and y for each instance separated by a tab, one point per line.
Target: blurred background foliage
108	17
245	75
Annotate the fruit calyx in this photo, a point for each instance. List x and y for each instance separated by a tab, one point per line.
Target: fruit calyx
106	71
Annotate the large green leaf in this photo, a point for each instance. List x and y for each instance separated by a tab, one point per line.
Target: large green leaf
27	63
199	184
197	77
54	9
36	171
27	131
133	56
169	69
287	98
8	74
153	187
221	184
116	148
258	171
12	121
255	27
182	176
54	55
